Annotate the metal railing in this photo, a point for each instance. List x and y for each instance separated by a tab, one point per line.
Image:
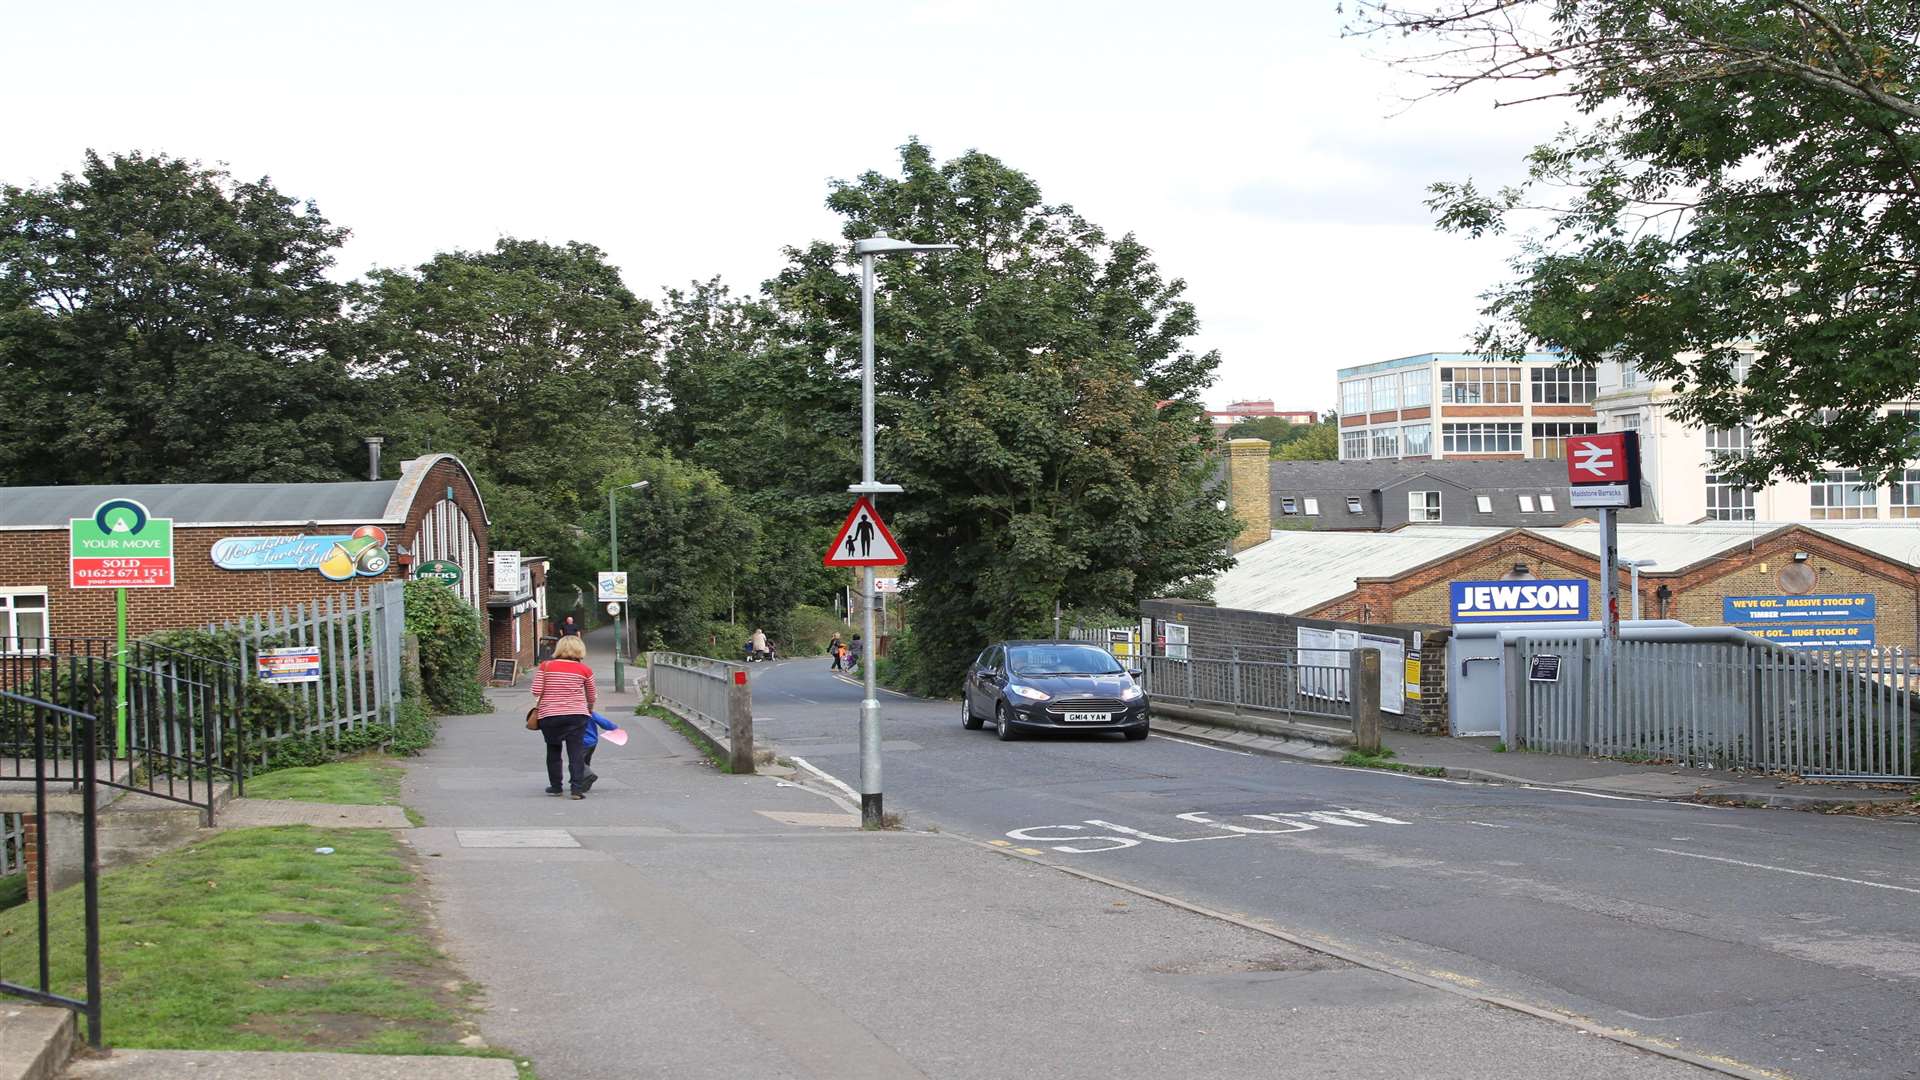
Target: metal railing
710	694
43	721
1252	678
1727	704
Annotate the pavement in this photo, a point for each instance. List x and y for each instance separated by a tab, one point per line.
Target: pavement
1782	943
684	923
1478	759
251	1065
258	813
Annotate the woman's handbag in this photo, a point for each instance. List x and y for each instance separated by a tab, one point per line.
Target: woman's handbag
533	717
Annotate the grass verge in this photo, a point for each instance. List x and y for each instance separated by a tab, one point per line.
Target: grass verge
363	781
687	731
13	890
1383	760
252	941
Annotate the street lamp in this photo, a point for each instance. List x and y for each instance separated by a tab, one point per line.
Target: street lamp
877	244
1634	566
613	550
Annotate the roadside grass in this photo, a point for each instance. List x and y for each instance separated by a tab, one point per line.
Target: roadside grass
1383	760
687	731
361	781
252	941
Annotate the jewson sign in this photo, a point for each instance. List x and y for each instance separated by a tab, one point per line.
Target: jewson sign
1556	600
338	558
1850	607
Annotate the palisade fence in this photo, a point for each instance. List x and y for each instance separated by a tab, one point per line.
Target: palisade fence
1724	704
1241	678
359	638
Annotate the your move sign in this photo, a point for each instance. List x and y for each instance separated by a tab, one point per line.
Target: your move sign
1556	600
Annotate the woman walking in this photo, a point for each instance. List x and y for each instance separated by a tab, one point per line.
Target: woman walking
566	694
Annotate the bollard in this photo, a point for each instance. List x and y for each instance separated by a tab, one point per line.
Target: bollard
739	723
1363	685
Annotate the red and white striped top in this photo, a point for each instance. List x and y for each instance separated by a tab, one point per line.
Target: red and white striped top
565	688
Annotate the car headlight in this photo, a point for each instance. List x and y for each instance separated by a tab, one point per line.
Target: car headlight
1028	692
1131	693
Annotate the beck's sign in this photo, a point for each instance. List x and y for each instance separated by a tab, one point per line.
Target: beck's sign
1555	600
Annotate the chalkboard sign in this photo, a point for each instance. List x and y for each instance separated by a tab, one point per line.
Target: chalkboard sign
1546	668
505	670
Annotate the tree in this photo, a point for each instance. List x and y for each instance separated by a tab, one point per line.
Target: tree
1317	442
161	323
535	364
1743	207
683	540
1038	400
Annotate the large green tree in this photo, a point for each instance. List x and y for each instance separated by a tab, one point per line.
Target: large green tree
535	364
162	322
684	541
1039	402
1745	182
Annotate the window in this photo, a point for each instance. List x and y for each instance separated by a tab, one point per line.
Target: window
1727	499
23	621
1562	385
1480	438
1546	504
1353	505
1550	440
1288	506
1386	442
1906	495
1418	389
1385	392
1526	504
1313	507
1353	445
1353	397
1628	421
1840	495
1423	506
1483	503
1416	440
1480	385
1629	375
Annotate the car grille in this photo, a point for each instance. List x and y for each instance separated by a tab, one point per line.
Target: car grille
1058	709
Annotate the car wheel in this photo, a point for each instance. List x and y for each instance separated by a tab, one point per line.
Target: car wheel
1002	726
967	719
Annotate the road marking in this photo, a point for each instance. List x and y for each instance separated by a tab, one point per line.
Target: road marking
1294	822
1201	745
1028	850
1489	825
1786	870
1001	843
827	776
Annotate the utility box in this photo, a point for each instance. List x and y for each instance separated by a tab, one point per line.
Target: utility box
1477	678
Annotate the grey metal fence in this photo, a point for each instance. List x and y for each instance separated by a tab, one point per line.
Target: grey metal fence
1729	704
712	695
1252	678
359	638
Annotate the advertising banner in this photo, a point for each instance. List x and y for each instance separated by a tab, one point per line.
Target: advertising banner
1796	636
295	665
362	553
1842	607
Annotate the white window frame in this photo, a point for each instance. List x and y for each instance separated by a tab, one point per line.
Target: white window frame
1561	385
1546	504
1423	507
1483	503
1353	444
1417	390
1313	507
1550	437
1424	446
1905	495
1481	438
1383	442
10	625
1526	504
1840	496
1469	385
1383	393
1354	506
1353	397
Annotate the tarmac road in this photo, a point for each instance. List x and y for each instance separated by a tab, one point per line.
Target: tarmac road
1782	940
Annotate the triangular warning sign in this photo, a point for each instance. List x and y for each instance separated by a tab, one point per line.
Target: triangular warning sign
864	541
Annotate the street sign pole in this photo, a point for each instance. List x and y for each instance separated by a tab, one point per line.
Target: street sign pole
619	621
120	683
871	814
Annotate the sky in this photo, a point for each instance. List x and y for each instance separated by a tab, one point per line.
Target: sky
1272	164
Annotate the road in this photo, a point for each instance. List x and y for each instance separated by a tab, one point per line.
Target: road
1783	940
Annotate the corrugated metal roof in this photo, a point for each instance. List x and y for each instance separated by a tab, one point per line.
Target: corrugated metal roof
190	504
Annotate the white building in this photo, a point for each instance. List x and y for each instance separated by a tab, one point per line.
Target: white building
1458	405
1676	458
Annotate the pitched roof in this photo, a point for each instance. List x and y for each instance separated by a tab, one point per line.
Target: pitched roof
1533	473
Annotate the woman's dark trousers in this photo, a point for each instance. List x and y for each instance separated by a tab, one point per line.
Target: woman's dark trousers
568	731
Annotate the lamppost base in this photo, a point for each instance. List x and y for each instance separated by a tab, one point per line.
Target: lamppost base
870	812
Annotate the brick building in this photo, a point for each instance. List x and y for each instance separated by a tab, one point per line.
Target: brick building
245	549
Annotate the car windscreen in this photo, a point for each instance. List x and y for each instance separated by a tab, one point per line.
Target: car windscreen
1061	660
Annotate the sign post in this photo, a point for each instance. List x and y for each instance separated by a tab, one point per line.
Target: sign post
611	589
1603	472
120	547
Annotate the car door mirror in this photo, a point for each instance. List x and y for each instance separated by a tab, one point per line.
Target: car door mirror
1135	672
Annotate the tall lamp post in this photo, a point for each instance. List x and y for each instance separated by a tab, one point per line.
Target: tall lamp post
877	244
613	552
1634	566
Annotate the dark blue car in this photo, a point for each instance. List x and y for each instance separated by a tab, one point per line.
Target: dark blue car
1052	686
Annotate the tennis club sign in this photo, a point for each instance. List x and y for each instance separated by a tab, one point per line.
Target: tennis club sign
1557	600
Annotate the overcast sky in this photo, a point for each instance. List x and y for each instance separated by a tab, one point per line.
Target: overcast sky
1251	148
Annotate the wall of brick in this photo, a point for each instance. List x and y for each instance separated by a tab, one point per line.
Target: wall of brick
1249	484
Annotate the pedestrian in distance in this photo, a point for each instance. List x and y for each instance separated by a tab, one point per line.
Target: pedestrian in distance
564	689
568	627
590	738
854	651
833	650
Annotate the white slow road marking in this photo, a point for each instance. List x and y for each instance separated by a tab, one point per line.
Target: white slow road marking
1201	745
1489	825
1786	870
862	686
825	775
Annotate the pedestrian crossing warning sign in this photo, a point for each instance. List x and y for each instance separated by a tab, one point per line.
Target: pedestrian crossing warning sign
864	541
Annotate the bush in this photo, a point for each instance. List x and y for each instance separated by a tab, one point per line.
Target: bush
805	631
452	641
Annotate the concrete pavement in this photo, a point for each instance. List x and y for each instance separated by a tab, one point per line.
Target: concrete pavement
679	923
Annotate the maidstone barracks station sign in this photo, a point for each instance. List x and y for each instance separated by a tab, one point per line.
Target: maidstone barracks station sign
1553	600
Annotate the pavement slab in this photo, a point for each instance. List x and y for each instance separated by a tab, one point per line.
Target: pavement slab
260	1065
257	813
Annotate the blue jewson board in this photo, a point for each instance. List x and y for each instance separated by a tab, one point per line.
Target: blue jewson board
1847	607
1552	600
1800	636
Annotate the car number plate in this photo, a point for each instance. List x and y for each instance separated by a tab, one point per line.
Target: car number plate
1088	717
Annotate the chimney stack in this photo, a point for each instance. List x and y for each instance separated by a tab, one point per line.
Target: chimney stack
1250	490
373	456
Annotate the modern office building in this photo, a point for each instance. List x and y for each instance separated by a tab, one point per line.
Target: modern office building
1459	405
